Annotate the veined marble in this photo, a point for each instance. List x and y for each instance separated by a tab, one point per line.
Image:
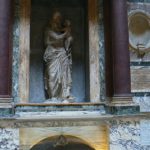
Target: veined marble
144	103
102	51
9	139
15	58
125	135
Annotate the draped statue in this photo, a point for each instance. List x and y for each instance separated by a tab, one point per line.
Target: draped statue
57	57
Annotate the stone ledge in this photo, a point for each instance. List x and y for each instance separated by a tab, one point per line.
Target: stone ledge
6	109
5	100
40	121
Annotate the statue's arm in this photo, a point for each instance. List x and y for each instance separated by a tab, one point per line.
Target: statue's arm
51	37
57	36
68	43
47	38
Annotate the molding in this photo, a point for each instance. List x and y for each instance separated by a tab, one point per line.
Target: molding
122	101
5	100
60	104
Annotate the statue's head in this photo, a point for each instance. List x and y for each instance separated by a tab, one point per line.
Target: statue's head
56	21
57	17
67	23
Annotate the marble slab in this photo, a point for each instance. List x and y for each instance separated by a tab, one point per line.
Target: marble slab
145	132
9	139
144	102
125	135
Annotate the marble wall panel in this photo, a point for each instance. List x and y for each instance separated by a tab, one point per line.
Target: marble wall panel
9	139
140	78
126	135
138	1
145	132
144	102
102	51
15	58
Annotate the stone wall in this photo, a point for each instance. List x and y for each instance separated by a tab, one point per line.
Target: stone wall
127	134
123	134
9	139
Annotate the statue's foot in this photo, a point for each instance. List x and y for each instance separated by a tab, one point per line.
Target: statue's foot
53	100
70	99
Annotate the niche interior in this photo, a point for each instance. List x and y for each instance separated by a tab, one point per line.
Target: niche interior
41	14
35	17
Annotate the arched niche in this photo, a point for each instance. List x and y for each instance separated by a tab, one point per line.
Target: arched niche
139	32
86	78
62	142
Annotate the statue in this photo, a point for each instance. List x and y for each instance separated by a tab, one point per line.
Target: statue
57	57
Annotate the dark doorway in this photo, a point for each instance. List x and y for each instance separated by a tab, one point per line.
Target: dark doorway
73	143
71	146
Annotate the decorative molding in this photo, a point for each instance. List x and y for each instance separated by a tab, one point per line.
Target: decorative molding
6	100
122	101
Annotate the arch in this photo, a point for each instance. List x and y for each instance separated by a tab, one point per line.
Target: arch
139	30
59	142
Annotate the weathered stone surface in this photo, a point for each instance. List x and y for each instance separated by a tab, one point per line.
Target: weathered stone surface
9	139
144	102
140	79
125	135
145	132
101	51
96	136
145	9
15	57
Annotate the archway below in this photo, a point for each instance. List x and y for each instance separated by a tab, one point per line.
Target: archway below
62	143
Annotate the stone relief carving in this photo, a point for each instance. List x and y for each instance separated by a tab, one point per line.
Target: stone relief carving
139	33
58	59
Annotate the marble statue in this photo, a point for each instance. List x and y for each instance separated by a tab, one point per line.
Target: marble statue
57	57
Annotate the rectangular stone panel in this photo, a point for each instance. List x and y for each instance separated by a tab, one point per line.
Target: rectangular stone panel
140	79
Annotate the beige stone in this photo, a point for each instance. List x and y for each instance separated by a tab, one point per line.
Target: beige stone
24	45
140	79
94	136
139	31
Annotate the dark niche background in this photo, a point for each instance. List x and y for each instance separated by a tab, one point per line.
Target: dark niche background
76	12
